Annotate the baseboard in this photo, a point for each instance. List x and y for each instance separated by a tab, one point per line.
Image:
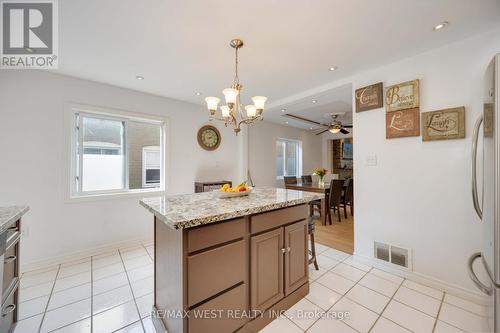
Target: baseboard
426	280
72	256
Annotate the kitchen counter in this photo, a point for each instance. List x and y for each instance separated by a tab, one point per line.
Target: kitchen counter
11	214
190	210
244	255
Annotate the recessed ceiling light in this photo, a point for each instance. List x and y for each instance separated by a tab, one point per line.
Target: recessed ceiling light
310	128
331	69
286	122
440	25
314	101
198	93
283	110
139	77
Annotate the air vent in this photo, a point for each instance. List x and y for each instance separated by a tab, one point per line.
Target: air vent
393	254
382	251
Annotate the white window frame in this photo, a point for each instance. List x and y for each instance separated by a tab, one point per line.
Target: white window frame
144	169
73	194
299	157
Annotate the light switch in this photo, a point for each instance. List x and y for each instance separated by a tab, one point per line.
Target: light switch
371	160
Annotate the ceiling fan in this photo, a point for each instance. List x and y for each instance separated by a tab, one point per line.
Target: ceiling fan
335	126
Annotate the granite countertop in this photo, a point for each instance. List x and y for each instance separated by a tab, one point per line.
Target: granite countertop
11	214
190	210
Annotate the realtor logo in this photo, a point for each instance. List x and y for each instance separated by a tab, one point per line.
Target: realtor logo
29	34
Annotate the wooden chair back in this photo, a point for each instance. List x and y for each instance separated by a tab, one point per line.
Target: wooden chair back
349	191
307	179
335	196
290	180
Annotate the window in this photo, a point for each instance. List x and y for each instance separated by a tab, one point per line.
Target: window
115	153
151	166
288	158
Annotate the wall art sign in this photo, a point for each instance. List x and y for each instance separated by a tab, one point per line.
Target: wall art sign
402	123
443	124
402	96
369	97
488	120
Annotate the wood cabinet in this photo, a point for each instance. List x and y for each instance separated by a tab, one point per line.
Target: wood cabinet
278	264
266	269
256	262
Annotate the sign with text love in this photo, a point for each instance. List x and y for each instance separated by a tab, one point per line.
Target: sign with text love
369	97
402	96
402	123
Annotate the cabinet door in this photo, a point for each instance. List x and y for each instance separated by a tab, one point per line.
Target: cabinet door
296	263
266	269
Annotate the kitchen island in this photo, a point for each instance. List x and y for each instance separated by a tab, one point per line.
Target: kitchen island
228	265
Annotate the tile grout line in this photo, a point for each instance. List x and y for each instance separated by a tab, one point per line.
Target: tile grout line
48	300
385	307
131	290
439	311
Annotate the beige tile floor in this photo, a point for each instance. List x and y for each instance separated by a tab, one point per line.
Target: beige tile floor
112	292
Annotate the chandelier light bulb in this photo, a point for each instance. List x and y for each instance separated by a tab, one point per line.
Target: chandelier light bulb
251	111
259	102
212	102
225	111
230	95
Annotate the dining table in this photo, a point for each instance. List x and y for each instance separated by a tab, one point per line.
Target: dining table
318	188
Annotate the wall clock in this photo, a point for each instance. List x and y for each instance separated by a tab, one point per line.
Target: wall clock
209	137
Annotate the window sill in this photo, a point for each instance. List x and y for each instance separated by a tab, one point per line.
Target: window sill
116	195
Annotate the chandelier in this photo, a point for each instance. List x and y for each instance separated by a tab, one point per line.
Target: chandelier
232	112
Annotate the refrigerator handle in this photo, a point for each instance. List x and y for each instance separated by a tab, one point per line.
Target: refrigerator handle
473	276
475	137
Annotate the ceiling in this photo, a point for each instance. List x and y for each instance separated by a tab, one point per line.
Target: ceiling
181	47
336	101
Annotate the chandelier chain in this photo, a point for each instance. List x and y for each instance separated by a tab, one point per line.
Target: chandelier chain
236	78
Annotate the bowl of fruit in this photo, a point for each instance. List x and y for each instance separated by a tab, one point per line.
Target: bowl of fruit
239	190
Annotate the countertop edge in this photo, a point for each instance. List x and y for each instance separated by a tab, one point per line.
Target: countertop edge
222	217
17	213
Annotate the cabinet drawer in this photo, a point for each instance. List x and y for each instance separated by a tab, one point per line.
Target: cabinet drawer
9	267
13	234
206	236
213	271
8	313
234	300
276	218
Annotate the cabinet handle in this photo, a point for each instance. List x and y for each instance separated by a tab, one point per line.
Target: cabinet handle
283	250
288	249
12	229
8	309
9	259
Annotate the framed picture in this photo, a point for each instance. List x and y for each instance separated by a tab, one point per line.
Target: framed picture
443	124
369	97
347	151
403	123
402	96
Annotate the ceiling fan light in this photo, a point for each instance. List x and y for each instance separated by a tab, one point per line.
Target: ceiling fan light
334	130
230	95
251	111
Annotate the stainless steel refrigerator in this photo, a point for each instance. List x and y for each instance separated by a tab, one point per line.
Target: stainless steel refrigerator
487	205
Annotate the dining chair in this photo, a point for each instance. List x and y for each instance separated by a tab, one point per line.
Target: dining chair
307	179
348	197
335	198
289	180
312	251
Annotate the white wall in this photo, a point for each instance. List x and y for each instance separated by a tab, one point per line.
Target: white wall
33	161
262	151
419	196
